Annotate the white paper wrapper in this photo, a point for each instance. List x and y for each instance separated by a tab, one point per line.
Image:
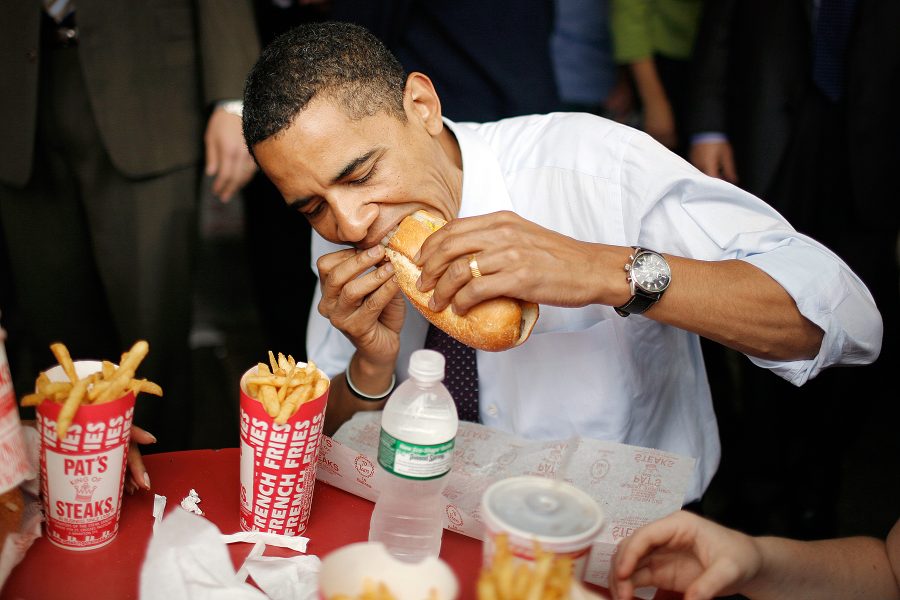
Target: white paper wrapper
188	558
632	485
17	544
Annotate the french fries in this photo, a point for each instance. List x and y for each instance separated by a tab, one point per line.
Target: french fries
549	577
111	383
283	385
371	591
378	591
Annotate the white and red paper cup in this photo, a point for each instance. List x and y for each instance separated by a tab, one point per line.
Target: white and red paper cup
82	475
528	509
278	463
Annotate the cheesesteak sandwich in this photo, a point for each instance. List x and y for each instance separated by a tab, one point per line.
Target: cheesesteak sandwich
493	325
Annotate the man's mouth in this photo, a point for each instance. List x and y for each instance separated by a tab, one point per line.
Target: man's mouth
386	239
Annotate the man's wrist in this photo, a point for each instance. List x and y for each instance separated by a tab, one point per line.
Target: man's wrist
370	381
365	396
613	281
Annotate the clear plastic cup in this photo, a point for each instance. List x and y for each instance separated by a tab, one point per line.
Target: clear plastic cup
558	516
278	463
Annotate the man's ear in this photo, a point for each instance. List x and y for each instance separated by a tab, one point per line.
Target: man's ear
421	102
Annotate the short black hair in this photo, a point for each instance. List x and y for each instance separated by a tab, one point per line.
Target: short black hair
338	59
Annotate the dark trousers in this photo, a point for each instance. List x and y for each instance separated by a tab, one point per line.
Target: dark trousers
99	260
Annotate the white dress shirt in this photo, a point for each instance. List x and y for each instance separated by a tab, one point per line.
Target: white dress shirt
587	371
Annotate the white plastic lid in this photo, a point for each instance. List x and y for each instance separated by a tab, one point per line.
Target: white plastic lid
555	512
426	365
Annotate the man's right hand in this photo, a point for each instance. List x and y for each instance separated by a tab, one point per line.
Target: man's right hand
716	159
363	303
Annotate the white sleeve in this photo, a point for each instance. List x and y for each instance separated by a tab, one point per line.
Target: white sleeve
686	213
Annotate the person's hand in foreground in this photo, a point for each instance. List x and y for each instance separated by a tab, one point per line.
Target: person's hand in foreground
136	476
689	554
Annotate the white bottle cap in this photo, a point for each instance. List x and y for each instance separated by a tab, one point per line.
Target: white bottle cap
426	365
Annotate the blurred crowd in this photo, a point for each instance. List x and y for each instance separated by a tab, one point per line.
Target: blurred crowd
116	117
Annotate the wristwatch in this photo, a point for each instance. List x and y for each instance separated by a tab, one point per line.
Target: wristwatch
649	275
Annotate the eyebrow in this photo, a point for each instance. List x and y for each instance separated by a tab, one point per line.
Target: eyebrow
353	165
349	168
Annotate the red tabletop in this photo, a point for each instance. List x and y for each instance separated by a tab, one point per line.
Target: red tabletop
337	519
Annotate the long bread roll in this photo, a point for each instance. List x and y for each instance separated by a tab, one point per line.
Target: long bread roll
493	325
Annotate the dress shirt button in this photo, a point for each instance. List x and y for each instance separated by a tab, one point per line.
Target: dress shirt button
492	410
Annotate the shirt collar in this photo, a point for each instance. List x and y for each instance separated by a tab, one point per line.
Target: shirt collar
484	187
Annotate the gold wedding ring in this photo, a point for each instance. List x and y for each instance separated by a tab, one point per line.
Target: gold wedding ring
473	267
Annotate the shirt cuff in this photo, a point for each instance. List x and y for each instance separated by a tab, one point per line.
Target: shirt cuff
831	296
708	137
232	107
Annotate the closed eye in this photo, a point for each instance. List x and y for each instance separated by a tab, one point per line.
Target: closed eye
366	177
315	211
308	207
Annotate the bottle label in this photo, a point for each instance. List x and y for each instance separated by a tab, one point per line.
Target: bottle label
415	461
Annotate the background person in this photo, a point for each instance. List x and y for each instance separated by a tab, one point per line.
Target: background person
796	102
103	139
655	39
487	61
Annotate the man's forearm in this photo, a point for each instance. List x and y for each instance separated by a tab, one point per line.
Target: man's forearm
740	306
731	302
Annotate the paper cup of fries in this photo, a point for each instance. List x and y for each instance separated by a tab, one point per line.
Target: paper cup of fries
527	517
366	571
282	414
84	414
83	471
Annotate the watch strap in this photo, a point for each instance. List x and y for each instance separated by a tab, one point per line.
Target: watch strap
638	304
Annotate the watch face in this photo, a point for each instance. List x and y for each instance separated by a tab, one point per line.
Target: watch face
651	272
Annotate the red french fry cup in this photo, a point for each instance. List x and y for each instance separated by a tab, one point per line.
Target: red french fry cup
278	463
83	474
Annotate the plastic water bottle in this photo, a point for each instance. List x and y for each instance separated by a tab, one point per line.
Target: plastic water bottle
418	432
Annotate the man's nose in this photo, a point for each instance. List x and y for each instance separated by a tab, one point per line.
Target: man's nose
354	219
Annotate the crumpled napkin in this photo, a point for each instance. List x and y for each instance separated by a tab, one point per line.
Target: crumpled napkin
188	558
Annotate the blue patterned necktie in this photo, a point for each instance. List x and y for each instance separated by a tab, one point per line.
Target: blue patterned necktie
834	19
460	372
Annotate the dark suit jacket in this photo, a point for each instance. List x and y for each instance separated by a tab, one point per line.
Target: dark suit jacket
488	60
152	69
752	68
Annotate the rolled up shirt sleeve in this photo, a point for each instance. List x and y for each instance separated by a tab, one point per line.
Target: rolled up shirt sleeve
689	214
830	295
